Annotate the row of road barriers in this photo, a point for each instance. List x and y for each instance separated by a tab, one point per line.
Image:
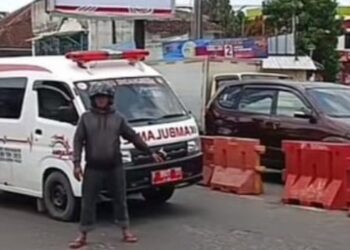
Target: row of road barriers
317	173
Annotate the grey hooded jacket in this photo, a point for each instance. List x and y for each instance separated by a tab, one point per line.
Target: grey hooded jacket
99	132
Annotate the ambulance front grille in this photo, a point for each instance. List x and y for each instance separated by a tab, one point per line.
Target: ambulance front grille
173	151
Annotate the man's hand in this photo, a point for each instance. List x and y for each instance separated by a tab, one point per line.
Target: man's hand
157	158
78	173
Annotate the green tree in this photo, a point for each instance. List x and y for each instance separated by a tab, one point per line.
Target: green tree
239	24
317	26
221	12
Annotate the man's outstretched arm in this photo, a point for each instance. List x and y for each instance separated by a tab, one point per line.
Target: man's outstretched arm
128	133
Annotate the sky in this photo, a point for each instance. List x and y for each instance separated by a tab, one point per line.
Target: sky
11	5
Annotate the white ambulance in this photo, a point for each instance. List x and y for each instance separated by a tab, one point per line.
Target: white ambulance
41	99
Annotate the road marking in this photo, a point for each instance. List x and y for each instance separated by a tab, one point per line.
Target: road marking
251	197
312	209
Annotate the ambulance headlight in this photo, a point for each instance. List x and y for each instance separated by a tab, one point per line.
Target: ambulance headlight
194	146
126	157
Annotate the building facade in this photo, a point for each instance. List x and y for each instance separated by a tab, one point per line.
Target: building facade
344	49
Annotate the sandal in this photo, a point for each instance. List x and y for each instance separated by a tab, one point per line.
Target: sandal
77	243
129	238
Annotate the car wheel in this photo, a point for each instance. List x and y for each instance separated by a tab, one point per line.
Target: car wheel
158	195
59	199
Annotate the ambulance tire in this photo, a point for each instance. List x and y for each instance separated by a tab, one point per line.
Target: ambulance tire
59	199
158	196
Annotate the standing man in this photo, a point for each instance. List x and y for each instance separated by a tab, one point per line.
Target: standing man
99	132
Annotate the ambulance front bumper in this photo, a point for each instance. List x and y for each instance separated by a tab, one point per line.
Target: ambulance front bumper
139	178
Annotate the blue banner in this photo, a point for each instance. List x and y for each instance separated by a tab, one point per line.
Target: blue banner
228	48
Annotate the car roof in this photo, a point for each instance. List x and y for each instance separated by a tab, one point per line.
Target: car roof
301	85
251	73
66	68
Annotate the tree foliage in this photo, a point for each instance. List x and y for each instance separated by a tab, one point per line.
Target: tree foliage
317	26
221	12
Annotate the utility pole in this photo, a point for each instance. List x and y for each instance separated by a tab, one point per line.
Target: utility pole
294	28
243	27
114	34
197	23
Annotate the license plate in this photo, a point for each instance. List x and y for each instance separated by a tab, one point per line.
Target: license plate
167	176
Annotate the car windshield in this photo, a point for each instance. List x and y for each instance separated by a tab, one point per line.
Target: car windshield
139	99
335	102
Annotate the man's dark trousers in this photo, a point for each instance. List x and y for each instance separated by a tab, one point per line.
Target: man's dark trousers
94	181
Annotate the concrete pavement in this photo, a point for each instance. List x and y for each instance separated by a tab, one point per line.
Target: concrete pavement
195	219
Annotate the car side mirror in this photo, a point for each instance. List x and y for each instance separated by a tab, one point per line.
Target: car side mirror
305	114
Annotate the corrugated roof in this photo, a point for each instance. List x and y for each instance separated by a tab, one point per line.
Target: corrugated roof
16	28
289	63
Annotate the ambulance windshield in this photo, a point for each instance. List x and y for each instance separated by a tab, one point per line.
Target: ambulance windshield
139	99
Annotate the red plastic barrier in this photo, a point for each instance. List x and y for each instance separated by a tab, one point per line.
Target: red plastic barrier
215	154
236	181
232	164
244	153
208	159
317	174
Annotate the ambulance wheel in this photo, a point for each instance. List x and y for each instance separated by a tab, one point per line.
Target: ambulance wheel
158	195
59	199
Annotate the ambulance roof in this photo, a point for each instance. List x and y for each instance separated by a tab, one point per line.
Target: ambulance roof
66	69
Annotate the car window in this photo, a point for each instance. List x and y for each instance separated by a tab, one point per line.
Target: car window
228	98
54	104
12	92
288	104
258	101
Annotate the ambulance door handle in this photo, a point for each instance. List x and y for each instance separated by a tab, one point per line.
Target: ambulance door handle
38	132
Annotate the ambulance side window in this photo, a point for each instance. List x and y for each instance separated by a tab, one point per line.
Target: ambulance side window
56	103
12	92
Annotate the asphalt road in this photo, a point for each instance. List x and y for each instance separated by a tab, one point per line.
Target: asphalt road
195	219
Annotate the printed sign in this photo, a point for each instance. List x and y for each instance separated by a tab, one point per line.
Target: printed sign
229	48
136	9
166	133
10	155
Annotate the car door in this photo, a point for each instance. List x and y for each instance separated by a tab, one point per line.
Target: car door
254	111
241	111
291	121
55	117
221	116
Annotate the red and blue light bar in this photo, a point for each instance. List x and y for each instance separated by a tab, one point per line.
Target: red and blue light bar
82	57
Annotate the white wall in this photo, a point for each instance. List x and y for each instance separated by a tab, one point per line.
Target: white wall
41	21
125	31
101	33
341	43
